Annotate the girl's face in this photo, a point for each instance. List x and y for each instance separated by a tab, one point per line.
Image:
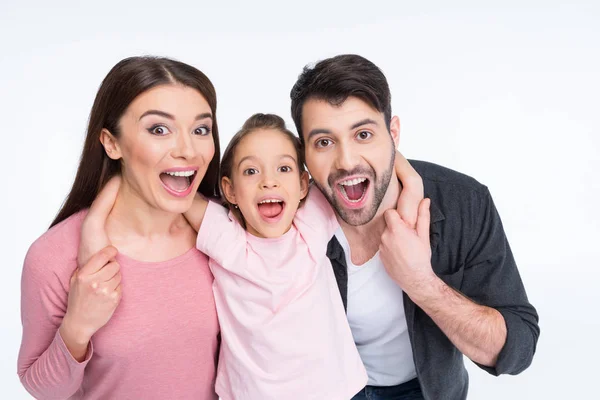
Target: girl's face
165	146
265	182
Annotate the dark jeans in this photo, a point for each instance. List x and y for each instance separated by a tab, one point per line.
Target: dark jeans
405	391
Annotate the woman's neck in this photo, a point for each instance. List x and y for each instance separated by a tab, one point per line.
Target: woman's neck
132	215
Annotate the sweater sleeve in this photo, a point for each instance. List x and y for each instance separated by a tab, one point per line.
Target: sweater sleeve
492	279
45	366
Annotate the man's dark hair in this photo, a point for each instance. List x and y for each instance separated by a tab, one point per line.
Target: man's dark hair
337	78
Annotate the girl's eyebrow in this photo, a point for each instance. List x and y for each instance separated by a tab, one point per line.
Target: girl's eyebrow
253	158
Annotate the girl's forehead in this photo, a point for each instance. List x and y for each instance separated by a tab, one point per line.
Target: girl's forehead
265	144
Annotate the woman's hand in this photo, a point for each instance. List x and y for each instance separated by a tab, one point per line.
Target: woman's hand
95	289
93	231
412	194
94	295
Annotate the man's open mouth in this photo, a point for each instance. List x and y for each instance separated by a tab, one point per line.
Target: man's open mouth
354	190
178	181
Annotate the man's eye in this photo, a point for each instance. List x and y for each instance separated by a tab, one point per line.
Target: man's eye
158	130
323	142
364	135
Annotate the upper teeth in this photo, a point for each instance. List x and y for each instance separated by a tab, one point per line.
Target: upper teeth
180	173
353	182
270	201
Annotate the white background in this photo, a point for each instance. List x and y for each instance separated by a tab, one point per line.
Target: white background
508	92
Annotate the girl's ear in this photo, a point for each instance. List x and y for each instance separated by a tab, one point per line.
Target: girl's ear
303	185
111	146
227	187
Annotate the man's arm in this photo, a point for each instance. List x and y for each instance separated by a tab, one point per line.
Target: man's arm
479	332
502	334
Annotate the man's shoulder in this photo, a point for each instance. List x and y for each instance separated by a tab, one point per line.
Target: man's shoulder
438	178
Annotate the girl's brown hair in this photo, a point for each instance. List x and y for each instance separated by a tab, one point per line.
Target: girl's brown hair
252	124
125	81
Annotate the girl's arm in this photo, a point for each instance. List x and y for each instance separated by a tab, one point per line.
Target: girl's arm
412	190
195	214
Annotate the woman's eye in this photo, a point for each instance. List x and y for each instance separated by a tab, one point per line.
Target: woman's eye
323	142
285	168
159	130
250	171
364	135
202	131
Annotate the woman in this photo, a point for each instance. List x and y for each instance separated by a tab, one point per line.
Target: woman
151	313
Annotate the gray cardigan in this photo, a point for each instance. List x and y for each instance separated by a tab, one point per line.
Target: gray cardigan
470	253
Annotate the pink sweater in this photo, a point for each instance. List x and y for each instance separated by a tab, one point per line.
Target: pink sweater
161	342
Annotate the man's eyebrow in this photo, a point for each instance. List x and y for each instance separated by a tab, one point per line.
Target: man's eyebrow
366	121
360	123
317	131
171	117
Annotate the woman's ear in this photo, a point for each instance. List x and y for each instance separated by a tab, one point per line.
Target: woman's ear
303	184
111	146
227	187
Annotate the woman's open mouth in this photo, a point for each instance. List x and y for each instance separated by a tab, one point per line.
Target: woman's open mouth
178	182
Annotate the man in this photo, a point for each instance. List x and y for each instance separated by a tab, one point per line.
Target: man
416	299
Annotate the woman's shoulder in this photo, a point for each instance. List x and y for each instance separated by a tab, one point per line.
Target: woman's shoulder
57	247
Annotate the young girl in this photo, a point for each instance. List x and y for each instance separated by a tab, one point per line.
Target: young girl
283	326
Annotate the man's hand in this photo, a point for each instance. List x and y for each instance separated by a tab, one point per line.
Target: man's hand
406	252
93	231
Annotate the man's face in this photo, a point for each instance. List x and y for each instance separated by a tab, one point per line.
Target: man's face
350	155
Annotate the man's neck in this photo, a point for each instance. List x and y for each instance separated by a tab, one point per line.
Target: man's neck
364	240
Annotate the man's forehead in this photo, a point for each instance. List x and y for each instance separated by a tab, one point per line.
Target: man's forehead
353	112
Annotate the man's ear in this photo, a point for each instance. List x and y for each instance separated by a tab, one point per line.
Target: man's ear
111	146
303	185
227	187
395	130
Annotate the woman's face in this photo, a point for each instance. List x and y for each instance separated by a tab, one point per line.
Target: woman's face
165	146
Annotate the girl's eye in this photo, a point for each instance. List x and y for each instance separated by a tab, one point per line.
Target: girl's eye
364	135
159	130
250	171
202	131
323	143
285	168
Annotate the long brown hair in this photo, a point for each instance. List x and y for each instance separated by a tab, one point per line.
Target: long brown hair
125	81
252	124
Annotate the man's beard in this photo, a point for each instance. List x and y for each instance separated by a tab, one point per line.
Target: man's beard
363	215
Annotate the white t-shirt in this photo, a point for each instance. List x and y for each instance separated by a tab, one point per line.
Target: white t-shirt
283	327
376	317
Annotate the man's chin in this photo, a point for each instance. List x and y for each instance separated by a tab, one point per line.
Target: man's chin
355	217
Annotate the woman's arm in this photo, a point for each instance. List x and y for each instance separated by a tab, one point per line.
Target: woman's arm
412	190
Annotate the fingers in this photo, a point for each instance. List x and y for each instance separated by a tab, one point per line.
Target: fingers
392	219
105	200
112	284
106	273
424	219
98	260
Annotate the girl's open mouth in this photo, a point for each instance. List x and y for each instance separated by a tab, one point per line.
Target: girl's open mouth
271	209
